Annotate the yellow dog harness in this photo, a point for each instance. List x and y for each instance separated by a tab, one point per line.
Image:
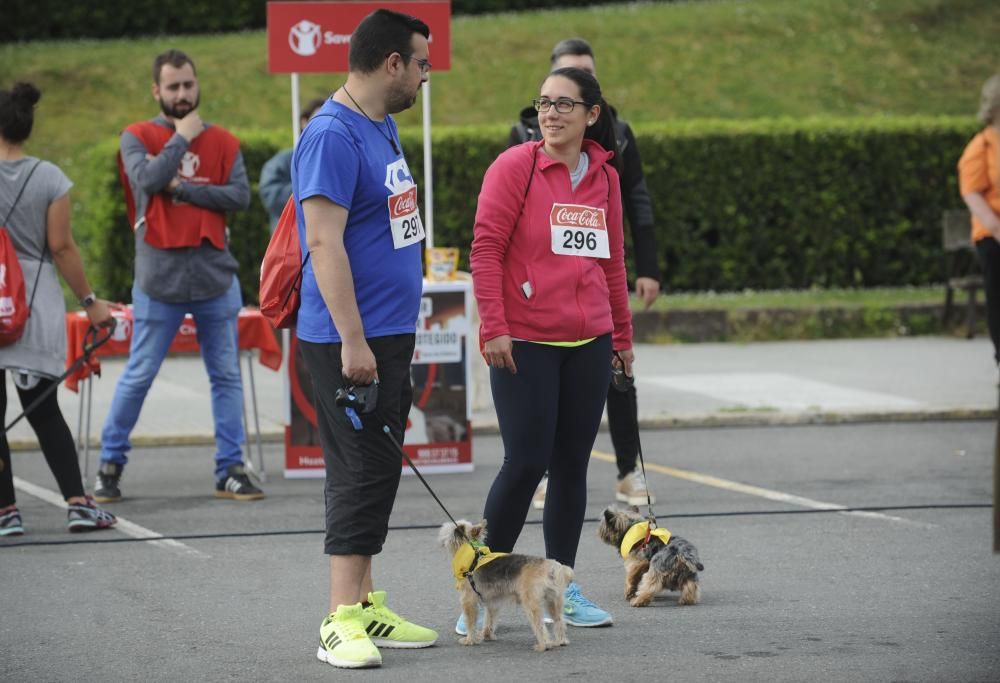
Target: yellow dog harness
640	533
470	557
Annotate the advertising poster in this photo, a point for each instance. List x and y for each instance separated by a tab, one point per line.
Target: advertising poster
438	433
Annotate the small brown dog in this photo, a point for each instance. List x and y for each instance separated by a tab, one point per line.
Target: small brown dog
653	561
494	578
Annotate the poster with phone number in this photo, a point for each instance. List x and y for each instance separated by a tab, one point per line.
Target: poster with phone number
438	433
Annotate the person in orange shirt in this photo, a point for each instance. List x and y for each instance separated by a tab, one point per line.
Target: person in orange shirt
979	183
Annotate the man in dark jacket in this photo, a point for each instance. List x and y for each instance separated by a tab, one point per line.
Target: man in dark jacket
623	411
276	174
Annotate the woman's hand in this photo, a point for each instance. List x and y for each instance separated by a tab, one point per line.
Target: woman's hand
498	353
99	313
623	358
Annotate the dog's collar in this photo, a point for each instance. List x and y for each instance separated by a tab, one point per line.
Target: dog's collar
469	557
640	533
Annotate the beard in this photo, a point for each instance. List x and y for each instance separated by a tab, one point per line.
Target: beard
179	109
400	100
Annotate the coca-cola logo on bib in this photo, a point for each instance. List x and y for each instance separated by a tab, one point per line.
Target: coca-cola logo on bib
403	204
577	216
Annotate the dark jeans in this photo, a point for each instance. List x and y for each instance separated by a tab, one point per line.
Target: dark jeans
54	437
362	467
623	423
549	414
989	258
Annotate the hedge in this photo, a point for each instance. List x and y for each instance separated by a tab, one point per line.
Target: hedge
776	204
22	20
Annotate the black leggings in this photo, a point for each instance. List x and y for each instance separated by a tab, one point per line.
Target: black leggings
549	414
989	258
54	438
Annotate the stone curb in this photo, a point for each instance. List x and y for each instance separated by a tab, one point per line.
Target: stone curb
487	426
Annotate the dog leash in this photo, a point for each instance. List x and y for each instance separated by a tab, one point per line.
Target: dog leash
91	342
477	548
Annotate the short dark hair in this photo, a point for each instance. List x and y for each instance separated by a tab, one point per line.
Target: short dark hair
379	35
17	111
571	46
311	107
174	58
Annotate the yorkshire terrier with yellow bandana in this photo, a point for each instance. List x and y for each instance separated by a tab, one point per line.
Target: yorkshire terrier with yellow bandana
654	558
494	578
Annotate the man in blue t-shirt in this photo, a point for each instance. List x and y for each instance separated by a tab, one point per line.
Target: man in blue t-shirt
357	215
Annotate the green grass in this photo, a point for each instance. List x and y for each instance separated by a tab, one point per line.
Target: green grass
808	298
710	59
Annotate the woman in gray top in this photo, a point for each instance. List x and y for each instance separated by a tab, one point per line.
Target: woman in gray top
34	198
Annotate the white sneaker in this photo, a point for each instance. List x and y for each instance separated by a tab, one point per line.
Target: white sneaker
538	501
633	490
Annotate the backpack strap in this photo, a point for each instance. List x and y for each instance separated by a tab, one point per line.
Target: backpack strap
527	186
45	245
20	192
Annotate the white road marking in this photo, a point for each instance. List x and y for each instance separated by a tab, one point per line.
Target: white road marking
125	526
781	391
788	498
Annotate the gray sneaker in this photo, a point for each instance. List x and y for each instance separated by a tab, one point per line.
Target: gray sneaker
107	488
88	517
10	522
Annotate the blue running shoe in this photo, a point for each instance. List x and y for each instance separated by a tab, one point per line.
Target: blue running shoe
463	630
579	611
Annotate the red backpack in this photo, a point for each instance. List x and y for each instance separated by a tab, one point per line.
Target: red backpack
14	306
281	271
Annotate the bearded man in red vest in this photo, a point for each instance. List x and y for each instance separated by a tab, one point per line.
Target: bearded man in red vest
181	175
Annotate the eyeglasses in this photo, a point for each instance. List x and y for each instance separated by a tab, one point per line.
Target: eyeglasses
424	65
563	105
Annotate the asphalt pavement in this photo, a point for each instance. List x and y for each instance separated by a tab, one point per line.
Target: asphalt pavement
839	494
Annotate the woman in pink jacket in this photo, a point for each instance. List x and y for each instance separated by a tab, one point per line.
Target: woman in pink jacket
548	270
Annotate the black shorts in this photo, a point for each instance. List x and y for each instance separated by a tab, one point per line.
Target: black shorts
362	467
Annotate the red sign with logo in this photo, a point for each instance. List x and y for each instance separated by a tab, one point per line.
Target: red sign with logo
313	37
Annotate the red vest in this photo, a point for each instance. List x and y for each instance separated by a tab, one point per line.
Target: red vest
171	223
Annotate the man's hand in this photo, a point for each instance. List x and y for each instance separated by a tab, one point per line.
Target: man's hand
190	126
647	289
174	183
499	353
358	363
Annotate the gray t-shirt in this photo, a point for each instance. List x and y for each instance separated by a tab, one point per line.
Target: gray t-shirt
581	170
42	347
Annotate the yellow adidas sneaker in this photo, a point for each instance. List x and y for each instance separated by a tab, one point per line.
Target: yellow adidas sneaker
343	641
388	629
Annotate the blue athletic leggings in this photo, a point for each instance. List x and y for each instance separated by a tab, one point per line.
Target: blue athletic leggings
549	414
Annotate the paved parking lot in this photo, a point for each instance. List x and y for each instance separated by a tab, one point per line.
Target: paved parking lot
835	553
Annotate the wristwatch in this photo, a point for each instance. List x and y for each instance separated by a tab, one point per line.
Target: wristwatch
88	301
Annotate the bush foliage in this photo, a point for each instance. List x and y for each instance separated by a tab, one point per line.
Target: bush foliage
24	20
762	205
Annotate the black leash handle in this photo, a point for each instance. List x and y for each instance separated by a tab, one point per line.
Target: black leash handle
91	342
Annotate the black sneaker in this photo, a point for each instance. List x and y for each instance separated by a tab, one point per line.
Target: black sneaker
237	485
107	490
